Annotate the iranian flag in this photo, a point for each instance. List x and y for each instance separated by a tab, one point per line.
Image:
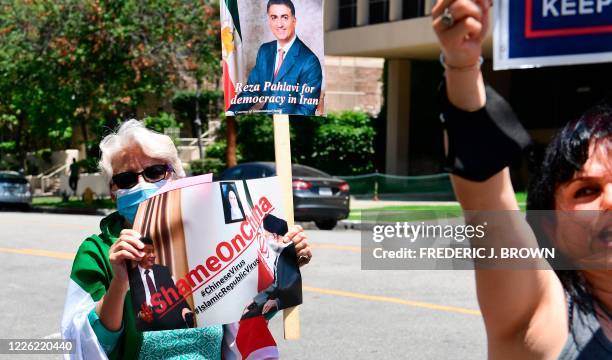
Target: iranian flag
231	44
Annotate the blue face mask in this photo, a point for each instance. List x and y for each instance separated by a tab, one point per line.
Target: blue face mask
129	199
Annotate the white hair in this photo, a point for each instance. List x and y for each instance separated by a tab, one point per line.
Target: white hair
152	143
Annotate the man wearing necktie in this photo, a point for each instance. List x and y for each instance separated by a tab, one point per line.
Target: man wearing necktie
287	64
146	280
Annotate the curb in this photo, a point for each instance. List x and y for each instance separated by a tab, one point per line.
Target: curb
69	211
308	225
345	225
359	225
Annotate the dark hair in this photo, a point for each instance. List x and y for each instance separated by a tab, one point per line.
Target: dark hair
146	240
287	3
566	154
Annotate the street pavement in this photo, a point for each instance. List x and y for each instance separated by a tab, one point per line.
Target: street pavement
347	313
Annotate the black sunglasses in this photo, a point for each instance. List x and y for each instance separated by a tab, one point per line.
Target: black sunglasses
151	174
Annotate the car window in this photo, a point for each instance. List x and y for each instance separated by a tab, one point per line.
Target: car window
12	179
307	171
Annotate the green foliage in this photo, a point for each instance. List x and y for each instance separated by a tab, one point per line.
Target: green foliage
161	121
344	145
72	203
184	103
69	64
7	147
340	144
6	164
45	155
207	165
89	165
255	137
215	157
219	150
214	160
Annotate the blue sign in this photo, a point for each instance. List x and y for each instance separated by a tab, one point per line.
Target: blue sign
552	32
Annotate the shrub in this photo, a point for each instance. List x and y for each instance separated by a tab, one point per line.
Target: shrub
184	103
341	143
6	164
161	121
45	155
344	145
255	137
7	147
89	165
207	165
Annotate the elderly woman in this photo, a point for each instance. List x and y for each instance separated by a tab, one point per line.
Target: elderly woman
536	312
97	314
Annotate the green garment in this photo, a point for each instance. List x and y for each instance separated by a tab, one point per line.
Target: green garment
108	339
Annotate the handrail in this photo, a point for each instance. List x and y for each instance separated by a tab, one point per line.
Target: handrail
50	170
194	141
61	168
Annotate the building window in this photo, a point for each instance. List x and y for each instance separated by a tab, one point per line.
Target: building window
413	8
379	11
348	14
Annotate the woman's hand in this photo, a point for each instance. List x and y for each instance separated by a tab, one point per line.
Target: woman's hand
110	306
127	247
297	235
461	42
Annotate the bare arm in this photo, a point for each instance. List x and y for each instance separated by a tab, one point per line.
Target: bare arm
515	304
110	306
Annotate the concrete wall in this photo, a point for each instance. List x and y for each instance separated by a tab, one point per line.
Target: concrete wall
354	84
96	182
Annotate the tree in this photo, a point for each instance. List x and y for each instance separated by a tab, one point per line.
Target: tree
69	64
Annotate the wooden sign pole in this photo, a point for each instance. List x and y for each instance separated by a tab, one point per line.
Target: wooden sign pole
282	151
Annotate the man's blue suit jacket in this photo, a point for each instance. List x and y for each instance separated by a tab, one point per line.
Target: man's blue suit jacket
300	66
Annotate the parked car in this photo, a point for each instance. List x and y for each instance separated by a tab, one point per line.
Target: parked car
15	190
317	196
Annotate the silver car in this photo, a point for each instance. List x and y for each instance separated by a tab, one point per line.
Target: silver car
15	190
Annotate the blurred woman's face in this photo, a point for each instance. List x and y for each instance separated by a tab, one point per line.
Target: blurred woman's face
584	220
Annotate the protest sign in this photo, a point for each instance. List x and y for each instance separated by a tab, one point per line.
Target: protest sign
532	33
214	255
273	56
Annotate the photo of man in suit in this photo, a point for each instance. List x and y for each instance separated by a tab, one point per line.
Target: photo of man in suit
146	279
286	290
288	64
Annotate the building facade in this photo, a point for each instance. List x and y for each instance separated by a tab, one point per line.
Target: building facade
400	32
353	83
